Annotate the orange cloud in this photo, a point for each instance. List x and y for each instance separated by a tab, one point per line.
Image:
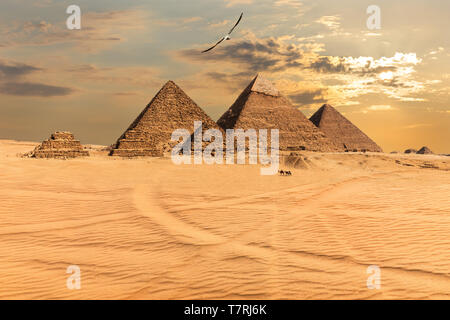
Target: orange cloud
99	31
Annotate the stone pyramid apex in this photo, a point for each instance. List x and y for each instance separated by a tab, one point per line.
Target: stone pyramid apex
264	86
320	114
328	108
171	85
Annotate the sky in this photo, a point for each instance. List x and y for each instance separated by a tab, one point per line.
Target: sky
392	82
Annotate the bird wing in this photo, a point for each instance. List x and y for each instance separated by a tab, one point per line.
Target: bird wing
240	18
220	41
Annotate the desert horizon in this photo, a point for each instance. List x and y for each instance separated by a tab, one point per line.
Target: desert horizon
266	87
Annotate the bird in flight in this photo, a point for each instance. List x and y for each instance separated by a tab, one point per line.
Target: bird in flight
227	37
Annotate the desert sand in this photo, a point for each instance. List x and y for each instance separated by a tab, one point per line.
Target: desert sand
148	229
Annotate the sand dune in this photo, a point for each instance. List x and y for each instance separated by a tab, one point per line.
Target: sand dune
148	229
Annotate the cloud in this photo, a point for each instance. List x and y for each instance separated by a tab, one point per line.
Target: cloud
332	22
346	77
435	51
367	65
392	76
380	108
307	97
31	89
289	3
329	65
25	79
296	5
254	55
42	26
13	81
240	79
342	65
132	77
231	3
220	24
399	58
192	19
373	34
125	94
14	70
99	30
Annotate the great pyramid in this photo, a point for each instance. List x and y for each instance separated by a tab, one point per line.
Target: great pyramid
61	145
342	131
150	134
261	106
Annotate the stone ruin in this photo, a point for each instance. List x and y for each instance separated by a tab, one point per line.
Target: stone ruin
60	145
296	160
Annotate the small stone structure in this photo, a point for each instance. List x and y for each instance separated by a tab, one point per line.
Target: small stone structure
61	145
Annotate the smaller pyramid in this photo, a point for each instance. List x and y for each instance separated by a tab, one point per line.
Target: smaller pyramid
425	150
342	131
60	145
409	151
151	133
261	106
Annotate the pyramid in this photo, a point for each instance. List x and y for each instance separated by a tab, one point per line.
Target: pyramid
261	106
342	131
425	150
60	145
150	134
